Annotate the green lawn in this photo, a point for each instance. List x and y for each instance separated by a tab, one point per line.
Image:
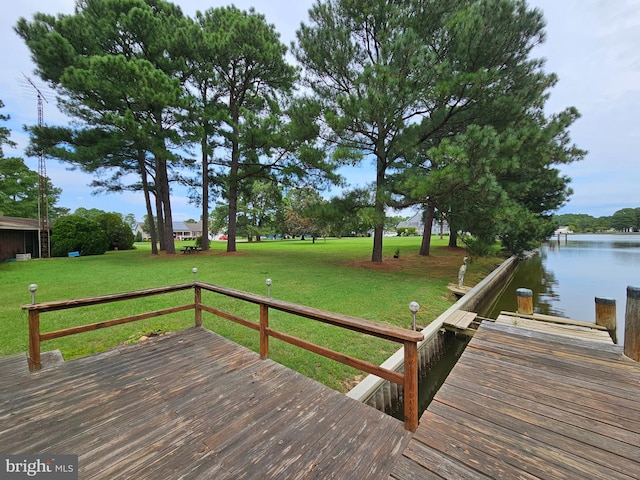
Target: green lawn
332	274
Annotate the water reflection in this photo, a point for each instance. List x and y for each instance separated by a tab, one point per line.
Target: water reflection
567	275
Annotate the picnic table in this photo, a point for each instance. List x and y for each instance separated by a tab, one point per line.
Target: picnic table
190	249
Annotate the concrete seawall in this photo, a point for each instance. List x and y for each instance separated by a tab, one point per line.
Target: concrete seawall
382	394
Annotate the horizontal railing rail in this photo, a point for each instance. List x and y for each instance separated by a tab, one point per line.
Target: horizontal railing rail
408	379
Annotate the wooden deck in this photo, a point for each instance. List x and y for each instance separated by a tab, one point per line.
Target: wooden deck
525	404
192	405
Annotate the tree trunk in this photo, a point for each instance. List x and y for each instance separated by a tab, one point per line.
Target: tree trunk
427	220
233	208
453	237
233	181
376	254
159	214
165	202
205	193
147	201
168	222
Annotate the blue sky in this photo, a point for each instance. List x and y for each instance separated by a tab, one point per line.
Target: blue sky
591	45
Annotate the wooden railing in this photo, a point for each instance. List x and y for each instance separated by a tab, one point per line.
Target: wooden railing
409	338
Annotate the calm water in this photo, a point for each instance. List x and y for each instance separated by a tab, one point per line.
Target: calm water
567	275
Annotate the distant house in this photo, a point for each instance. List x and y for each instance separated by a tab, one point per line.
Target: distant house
181	231
187	231
437	228
19	237
562	231
140	230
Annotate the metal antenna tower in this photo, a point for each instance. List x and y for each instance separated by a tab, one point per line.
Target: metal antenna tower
43	200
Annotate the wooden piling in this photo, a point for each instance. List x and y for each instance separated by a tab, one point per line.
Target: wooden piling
606	316
525	301
632	324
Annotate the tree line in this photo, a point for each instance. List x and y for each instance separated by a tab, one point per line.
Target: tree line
623	220
444	95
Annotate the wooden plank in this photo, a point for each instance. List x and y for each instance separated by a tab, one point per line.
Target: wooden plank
583	435
460	319
466	320
512	333
432	463
557	329
470	449
565	404
504	452
561	370
453	319
553	319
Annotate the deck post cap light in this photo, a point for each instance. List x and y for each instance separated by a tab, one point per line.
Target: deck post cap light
414	307
32	288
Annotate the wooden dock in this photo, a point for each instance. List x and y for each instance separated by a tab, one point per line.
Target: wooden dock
528	404
192	405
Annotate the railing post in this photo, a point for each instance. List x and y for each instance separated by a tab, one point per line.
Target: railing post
198	304
264	337
410	386
34	341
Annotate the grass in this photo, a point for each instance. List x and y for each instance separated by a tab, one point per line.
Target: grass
332	274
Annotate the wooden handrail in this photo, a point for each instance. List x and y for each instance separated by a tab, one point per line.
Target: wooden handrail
409	338
387	332
116	297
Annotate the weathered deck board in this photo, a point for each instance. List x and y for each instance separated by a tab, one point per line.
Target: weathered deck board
460	319
192	404
525	404
595	334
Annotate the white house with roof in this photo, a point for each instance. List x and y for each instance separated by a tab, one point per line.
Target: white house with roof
181	231
437	228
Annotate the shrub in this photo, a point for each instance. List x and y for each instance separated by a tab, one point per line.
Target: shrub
199	242
119	233
74	233
478	247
